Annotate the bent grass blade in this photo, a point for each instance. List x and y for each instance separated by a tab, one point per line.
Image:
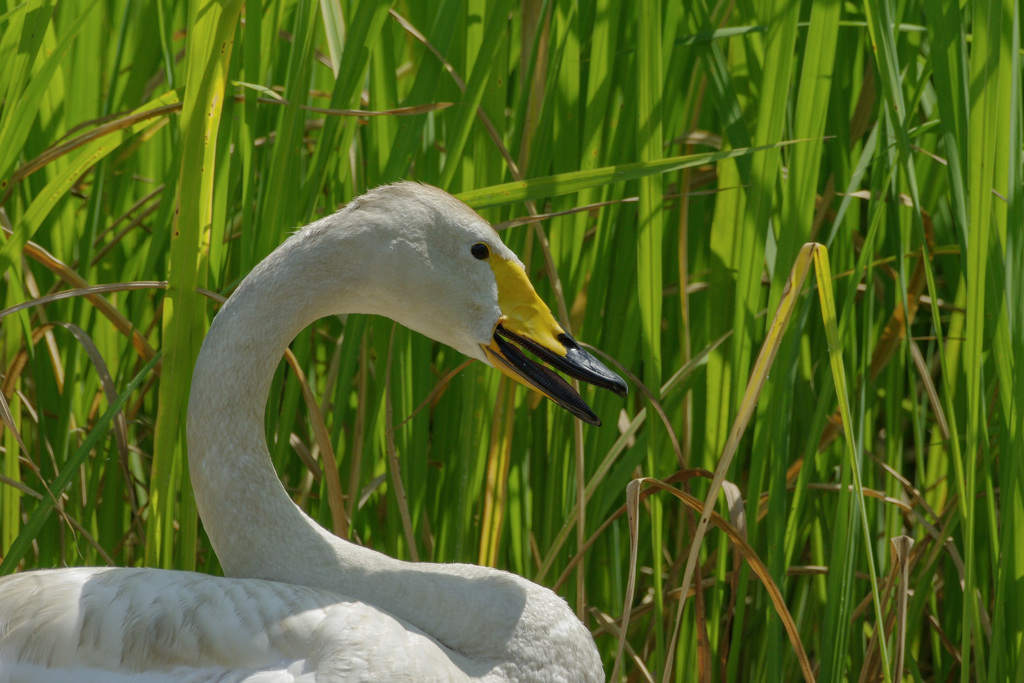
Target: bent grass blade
816	254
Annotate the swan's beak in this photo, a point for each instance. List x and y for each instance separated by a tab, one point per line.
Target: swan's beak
526	324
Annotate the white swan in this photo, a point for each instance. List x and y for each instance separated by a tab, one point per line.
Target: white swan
313	606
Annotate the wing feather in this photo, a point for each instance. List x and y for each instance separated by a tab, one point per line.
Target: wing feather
148	625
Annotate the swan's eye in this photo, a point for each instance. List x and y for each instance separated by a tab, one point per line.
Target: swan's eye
480	251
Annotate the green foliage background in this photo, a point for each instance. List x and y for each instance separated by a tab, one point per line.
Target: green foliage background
179	142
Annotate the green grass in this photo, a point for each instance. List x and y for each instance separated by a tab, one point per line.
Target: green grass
686	153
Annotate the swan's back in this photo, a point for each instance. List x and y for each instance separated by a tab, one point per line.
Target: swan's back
148	625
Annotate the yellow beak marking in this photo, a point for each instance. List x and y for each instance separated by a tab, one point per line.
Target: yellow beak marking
522	311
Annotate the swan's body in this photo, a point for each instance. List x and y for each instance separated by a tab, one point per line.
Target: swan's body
178	626
313	606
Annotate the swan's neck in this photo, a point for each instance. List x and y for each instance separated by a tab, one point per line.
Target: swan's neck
253	525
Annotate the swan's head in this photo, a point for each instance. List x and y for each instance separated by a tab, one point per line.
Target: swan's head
433	264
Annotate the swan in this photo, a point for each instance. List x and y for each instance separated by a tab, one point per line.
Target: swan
298	603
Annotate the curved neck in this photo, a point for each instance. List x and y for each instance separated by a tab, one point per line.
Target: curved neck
236	488
253	525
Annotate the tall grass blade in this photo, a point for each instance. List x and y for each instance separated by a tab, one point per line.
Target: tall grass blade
211	36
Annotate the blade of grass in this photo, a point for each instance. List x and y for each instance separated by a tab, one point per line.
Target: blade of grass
564	183
496	24
211	36
649	249
823	273
1006	650
982	137
22	94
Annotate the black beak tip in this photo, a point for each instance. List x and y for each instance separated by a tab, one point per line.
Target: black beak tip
590	369
619	388
589	417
